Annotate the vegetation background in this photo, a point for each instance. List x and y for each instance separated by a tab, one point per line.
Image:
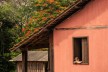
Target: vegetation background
19	19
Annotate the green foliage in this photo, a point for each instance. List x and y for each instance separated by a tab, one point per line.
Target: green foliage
9	16
6	39
8	12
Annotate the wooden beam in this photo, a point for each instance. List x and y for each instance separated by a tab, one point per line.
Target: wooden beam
37	46
24	60
51	53
88	28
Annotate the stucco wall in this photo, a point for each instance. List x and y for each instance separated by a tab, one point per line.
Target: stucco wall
94	14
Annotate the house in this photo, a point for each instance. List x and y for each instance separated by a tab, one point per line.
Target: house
77	39
37	61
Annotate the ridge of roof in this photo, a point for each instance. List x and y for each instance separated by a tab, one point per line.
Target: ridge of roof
69	11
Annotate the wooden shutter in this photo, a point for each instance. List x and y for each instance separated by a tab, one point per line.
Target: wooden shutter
84	50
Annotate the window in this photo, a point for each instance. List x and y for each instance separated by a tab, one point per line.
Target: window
80	46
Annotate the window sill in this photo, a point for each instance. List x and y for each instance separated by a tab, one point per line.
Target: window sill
81	63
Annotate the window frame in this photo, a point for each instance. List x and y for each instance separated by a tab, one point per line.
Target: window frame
74	48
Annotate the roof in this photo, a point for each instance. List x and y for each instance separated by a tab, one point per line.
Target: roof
33	56
41	38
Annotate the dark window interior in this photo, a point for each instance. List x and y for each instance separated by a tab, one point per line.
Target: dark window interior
78	48
46	67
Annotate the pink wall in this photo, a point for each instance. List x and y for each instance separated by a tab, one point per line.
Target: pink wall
95	13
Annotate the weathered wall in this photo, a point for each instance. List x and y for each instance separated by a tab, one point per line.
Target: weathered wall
32	67
94	14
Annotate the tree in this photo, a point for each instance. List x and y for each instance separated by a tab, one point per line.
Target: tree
19	18
9	16
12	18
